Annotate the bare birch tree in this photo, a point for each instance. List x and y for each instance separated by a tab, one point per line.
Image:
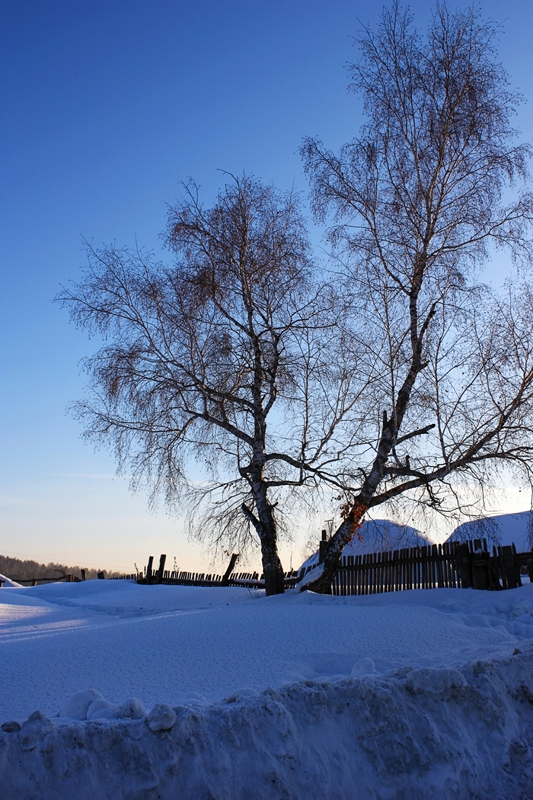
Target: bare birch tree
225	356
419	200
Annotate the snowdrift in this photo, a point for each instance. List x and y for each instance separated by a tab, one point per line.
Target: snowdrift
402	695
416	733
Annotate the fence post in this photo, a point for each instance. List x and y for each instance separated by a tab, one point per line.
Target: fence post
323	547
149	570
231	565
84	574
162	560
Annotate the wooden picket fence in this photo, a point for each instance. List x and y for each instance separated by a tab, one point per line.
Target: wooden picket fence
457	565
229	578
450	565
183	578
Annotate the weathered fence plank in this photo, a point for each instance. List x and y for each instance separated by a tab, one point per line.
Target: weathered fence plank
149	570
161	569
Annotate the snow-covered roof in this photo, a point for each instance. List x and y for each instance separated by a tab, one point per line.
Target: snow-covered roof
380	536
7	582
503	529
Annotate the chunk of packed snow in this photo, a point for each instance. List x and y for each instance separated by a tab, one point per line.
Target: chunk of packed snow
76	706
161	718
132	709
90	704
365	666
435	681
103	709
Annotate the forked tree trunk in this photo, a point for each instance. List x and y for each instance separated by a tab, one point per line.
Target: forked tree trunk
389	435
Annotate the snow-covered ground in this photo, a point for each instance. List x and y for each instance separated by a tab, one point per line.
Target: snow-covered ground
421	694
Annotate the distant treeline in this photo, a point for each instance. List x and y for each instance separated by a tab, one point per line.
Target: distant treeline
18	570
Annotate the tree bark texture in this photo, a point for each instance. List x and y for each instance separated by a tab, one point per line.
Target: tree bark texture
265	526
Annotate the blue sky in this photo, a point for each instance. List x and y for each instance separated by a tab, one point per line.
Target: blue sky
106	107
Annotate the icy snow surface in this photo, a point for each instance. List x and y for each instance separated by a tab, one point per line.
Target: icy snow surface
138	691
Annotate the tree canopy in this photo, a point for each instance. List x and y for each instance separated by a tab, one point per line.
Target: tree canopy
224	356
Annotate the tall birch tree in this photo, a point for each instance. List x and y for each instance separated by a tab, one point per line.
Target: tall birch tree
417	203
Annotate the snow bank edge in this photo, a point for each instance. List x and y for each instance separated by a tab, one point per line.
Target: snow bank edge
428	733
